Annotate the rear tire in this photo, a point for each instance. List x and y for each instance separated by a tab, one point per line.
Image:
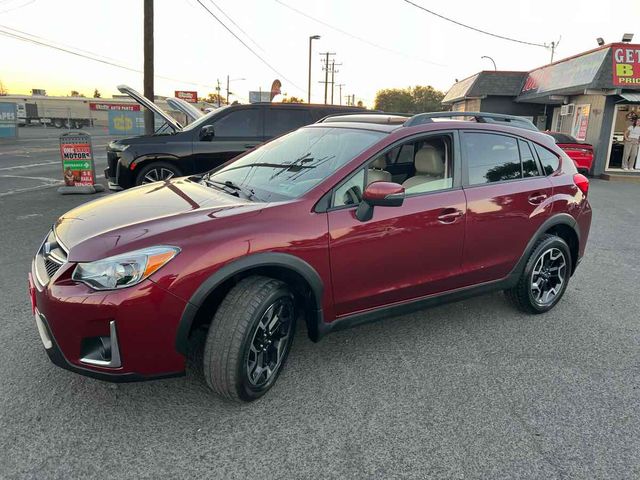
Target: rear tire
249	339
157	172
544	278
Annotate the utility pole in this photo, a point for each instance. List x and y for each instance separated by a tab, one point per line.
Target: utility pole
218	91
333	78
149	121
340	85
227	89
553	47
326	74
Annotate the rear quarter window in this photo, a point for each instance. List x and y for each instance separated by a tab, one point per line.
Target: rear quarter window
549	160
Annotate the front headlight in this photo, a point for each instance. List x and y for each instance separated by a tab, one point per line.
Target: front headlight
123	270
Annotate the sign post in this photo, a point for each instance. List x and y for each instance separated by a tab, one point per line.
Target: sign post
78	167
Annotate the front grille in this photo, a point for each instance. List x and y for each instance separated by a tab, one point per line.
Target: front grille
51	266
51	256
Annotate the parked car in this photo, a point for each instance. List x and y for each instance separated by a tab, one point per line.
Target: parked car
580	152
205	143
335	224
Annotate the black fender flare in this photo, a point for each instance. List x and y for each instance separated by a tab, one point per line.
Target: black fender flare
145	158
557	219
267	259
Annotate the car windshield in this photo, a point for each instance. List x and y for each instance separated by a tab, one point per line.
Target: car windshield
204	119
293	164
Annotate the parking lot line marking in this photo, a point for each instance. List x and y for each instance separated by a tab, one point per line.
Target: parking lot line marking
20	167
30	189
42	179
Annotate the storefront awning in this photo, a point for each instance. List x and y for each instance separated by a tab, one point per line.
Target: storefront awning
631	97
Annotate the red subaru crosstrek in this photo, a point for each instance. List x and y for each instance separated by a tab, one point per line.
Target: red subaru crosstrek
335	224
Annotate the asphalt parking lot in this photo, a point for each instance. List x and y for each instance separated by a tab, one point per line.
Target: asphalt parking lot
467	390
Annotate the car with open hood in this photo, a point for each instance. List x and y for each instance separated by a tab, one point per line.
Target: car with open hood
208	141
335	224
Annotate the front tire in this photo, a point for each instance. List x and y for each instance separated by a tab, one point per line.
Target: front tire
157	172
545	276
249	339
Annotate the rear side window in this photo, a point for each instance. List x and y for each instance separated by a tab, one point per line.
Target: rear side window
241	123
491	158
529	164
549	160
283	120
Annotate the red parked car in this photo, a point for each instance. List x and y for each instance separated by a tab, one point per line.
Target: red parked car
580	152
335	224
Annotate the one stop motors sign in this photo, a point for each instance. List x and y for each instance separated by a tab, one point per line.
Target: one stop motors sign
77	159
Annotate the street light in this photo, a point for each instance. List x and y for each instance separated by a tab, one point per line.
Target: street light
600	41
232	80
494	63
627	37
311	39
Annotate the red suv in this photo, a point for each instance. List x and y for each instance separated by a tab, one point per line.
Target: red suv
335	224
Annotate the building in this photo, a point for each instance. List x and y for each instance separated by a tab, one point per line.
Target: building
589	96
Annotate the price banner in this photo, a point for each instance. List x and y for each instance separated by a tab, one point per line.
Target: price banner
78	168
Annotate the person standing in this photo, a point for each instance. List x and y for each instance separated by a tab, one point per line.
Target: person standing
631	141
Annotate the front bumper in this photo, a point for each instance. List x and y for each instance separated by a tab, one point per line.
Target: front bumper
72	315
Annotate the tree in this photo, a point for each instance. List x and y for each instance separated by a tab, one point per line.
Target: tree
96	93
215	98
292	100
360	104
75	93
416	99
3	91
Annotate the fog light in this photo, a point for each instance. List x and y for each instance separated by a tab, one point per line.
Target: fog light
102	351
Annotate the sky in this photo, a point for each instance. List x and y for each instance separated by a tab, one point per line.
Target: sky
379	43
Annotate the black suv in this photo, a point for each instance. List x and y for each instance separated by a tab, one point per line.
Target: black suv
205	143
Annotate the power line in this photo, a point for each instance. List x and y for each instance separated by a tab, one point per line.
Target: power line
236	25
18	7
91	56
502	37
248	47
360	39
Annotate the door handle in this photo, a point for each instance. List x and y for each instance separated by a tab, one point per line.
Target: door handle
537	198
449	215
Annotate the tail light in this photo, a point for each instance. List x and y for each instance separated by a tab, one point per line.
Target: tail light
581	182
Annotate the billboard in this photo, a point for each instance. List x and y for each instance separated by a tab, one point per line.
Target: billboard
128	107
187	96
8	120
255	97
126	123
626	65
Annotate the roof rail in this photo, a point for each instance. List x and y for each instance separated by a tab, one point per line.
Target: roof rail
480	117
367	117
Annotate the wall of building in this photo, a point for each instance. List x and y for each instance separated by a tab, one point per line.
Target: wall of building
507	105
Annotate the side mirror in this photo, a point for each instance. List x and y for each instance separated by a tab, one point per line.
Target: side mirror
379	194
207	133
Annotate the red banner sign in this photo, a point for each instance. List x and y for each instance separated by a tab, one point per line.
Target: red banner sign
130	107
626	65
187	96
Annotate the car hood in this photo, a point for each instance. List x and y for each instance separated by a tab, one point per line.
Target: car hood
125	221
145	102
179	105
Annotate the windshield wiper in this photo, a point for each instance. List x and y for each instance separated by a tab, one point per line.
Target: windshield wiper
235	189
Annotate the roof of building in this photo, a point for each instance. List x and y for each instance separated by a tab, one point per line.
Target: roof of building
487	82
